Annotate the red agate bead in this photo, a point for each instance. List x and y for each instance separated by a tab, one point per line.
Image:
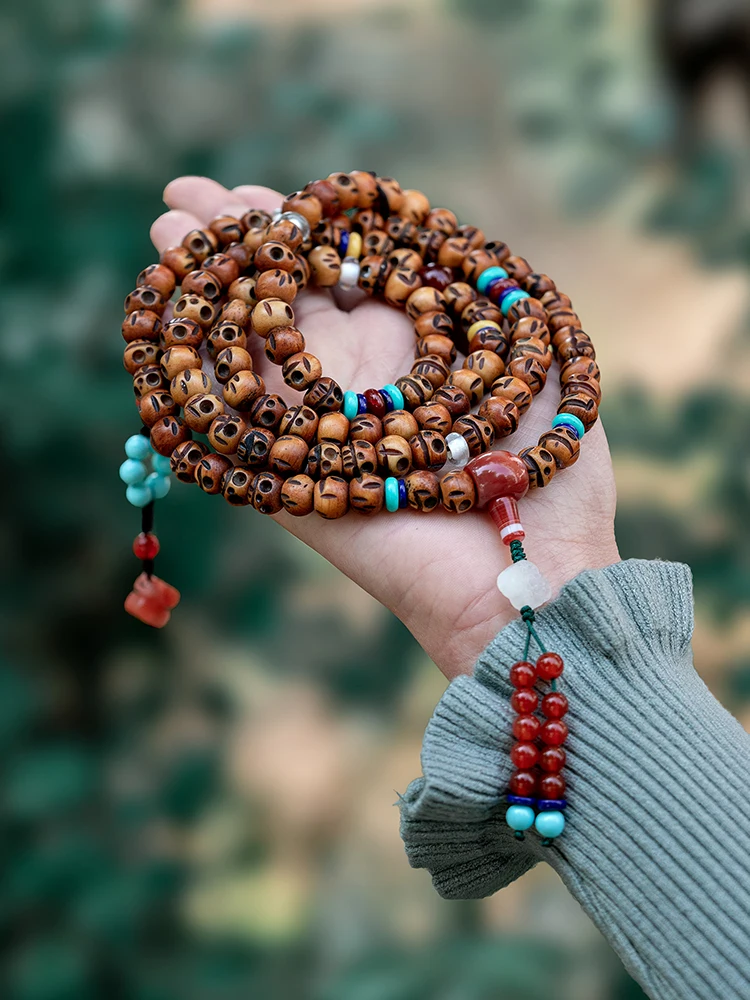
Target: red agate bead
146	545
522	783
526	728
522	674
375	402
524	755
524	700
554	733
552	760
551	786
498	474
549	666
554	705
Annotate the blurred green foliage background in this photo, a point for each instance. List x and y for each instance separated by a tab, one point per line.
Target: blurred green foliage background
202	813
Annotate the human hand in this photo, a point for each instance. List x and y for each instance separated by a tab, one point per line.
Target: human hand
435	572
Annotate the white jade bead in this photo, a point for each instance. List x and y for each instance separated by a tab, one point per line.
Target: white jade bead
299	220
524	584
458	452
349	272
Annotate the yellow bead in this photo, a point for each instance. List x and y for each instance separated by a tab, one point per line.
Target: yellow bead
482	324
354	247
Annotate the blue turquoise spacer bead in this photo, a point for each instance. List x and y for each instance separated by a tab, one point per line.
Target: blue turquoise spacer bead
510	298
138	446
546	805
351	405
519	800
362	403
132	471
520	817
161	465
397	397
569	420
402	498
387	400
158	485
139	494
391	494
486	278
550	824
343	244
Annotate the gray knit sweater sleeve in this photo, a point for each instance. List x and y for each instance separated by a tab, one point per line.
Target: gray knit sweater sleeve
657	843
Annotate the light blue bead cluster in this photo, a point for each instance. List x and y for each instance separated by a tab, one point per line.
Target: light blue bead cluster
355	402
144	486
548	824
395	494
486	278
570	420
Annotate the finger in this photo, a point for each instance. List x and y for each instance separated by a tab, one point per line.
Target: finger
256	196
203	197
170	229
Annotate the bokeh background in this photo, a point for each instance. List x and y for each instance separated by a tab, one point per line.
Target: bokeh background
205	812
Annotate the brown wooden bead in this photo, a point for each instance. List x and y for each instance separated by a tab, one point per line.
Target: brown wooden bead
225	335
346	189
243	389
270	314
201	411
167	433
428	450
301	370
325	266
234	311
139	353
276	285
581	405
476	262
489	338
177	359
453	252
301	273
539	464
365	220
529	370
160	277
297	495
433	322
179	260
331	497
201	243
288	455
155	405
416	389
327	194
514	389
256	219
434	417
486	364
581	382
236	486
145	297
530	326
195	307
300	420
477	430
282	343
436	343
268	411
187	383
373	271
333	427
394	455
577	345
367	494
480	308
182	331
400	422
366	427
324	395
367	188
324	460
283	231
400	285
517	267
471	383
454	399
141	325
358	458
457	491
558	318
231	360
563	444
415	206
241	253
587	366
274	256
393	194
404	257
458	296
424	300
254	447
473	234
526	307
537	284
202	283
501	413
225	432
422	489
531	347
443	220
149	378
377	242
244	288
433	368
210	472
185	460
555	300
227	229
306	204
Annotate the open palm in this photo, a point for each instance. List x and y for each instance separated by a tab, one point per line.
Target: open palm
435	571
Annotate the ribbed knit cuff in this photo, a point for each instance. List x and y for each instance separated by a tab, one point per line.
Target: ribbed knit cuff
657	841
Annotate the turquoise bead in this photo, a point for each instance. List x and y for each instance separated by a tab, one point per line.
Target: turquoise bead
511	298
132	471
138	446
391	493
351	405
161	465
139	494
396	395
486	278
159	485
550	824
520	817
570	420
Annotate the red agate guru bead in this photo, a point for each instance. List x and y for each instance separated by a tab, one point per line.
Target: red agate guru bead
498	474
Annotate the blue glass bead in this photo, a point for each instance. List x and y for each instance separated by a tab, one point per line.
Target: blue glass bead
362	403
391	494
510	298
138	446
139	494
520	817
351	405
161	464
159	485
402	500
343	244
487	277
550	824
132	471
570	420
387	400
519	800
396	395
547	805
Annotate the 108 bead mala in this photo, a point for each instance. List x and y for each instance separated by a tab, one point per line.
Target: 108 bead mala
421	441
